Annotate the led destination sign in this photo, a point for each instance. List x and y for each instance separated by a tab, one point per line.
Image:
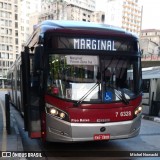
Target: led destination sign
93	44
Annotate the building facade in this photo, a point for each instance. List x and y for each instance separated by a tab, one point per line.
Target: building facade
9	36
78	10
151	34
14	31
126	14
27	9
150	44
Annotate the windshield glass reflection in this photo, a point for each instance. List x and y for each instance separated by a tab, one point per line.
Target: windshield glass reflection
73	77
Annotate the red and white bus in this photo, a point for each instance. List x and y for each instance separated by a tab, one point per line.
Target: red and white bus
78	81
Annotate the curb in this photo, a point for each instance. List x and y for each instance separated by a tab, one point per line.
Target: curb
151	118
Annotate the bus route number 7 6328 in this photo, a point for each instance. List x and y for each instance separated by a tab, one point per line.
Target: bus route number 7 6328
124	114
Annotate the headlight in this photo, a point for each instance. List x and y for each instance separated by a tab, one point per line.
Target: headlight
138	110
62	115
56	112
53	111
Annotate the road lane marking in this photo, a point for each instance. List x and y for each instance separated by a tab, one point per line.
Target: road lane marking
4	133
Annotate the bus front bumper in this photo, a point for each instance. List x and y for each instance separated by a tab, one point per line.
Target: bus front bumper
61	131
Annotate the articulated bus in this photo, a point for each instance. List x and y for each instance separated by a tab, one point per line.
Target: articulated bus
78	81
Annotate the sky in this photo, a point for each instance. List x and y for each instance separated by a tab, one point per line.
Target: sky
151	13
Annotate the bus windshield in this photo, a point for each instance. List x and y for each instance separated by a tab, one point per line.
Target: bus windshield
92	78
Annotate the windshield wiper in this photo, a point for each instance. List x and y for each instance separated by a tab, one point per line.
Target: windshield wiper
86	94
120	95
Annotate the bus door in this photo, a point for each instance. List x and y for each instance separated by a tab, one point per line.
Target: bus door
31	95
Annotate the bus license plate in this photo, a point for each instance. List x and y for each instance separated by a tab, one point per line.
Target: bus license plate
98	137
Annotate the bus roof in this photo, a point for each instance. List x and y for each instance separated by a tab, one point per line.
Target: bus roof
76	27
80	25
